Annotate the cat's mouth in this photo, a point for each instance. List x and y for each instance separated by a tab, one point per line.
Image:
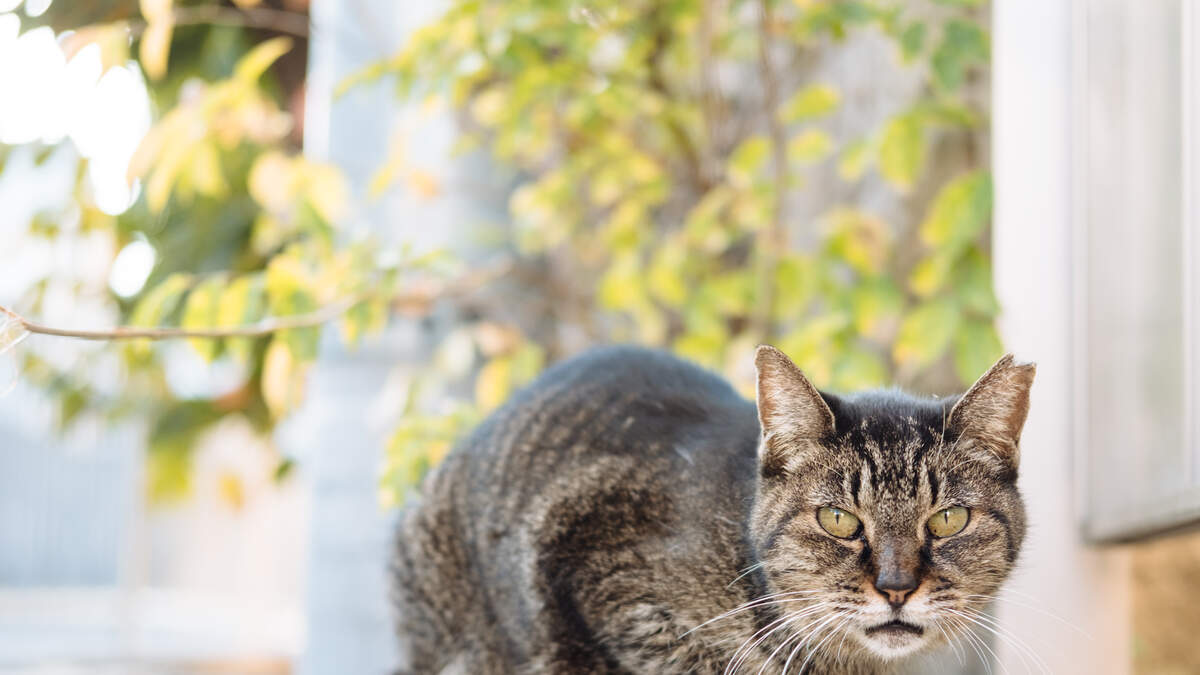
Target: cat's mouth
895	628
894	639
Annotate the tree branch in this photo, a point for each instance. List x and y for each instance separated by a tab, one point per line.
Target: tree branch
773	238
258	329
262	18
420	298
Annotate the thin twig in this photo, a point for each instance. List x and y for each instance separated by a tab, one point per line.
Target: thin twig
262	18
258	329
693	161
710	97
421	297
772	239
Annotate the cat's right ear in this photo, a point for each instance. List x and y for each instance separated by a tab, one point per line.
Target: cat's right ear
790	409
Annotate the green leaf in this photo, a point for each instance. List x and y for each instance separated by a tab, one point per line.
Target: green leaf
902	151
912	39
976	347
200	313
366	318
876	307
795	277
160	303
925	333
959	212
811	102
964	45
242	303
947	114
973	283
289	294
810	145
859	368
812	345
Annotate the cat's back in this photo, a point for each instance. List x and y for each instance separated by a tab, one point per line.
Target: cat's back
618	452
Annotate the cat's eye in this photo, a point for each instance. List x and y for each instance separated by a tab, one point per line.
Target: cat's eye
948	522
839	523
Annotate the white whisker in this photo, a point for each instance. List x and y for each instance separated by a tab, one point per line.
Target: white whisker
1040	610
814	650
746	571
774	598
990	623
972	640
743	652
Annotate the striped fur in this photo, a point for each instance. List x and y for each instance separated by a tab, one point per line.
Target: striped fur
628	513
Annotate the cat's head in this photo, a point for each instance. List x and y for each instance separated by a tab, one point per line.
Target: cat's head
889	518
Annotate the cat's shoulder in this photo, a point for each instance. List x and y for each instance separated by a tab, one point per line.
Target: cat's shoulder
635	368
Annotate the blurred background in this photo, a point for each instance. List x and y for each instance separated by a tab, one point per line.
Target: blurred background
371	220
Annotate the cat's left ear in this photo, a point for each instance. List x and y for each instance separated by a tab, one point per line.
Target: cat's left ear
993	411
791	411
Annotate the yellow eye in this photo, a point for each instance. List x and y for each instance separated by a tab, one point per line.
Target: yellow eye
948	522
839	523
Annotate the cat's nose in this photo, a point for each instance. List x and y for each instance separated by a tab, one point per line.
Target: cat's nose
897	566
896	587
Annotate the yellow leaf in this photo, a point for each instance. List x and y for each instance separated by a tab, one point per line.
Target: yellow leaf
810	145
493	383
930	275
665	277
112	39
746	160
155	10
229	486
959	212
206	171
423	184
488	107
902	151
155	47
810	103
271	181
854	160
860	239
326	190
246	4
200	313
282	379
255	63
243	302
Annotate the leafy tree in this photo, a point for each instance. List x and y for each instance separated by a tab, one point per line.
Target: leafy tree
659	147
665	151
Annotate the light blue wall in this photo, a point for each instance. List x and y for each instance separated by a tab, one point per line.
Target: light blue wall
340	433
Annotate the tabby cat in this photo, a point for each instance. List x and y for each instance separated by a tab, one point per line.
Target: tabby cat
629	512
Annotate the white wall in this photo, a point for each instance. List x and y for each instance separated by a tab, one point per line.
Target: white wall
1033	126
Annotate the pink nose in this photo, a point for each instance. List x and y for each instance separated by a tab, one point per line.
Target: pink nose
896	596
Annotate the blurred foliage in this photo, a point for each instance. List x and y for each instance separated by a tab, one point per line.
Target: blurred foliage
245	228
661	148
658	145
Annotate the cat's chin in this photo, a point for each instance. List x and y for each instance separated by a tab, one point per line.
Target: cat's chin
894	639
